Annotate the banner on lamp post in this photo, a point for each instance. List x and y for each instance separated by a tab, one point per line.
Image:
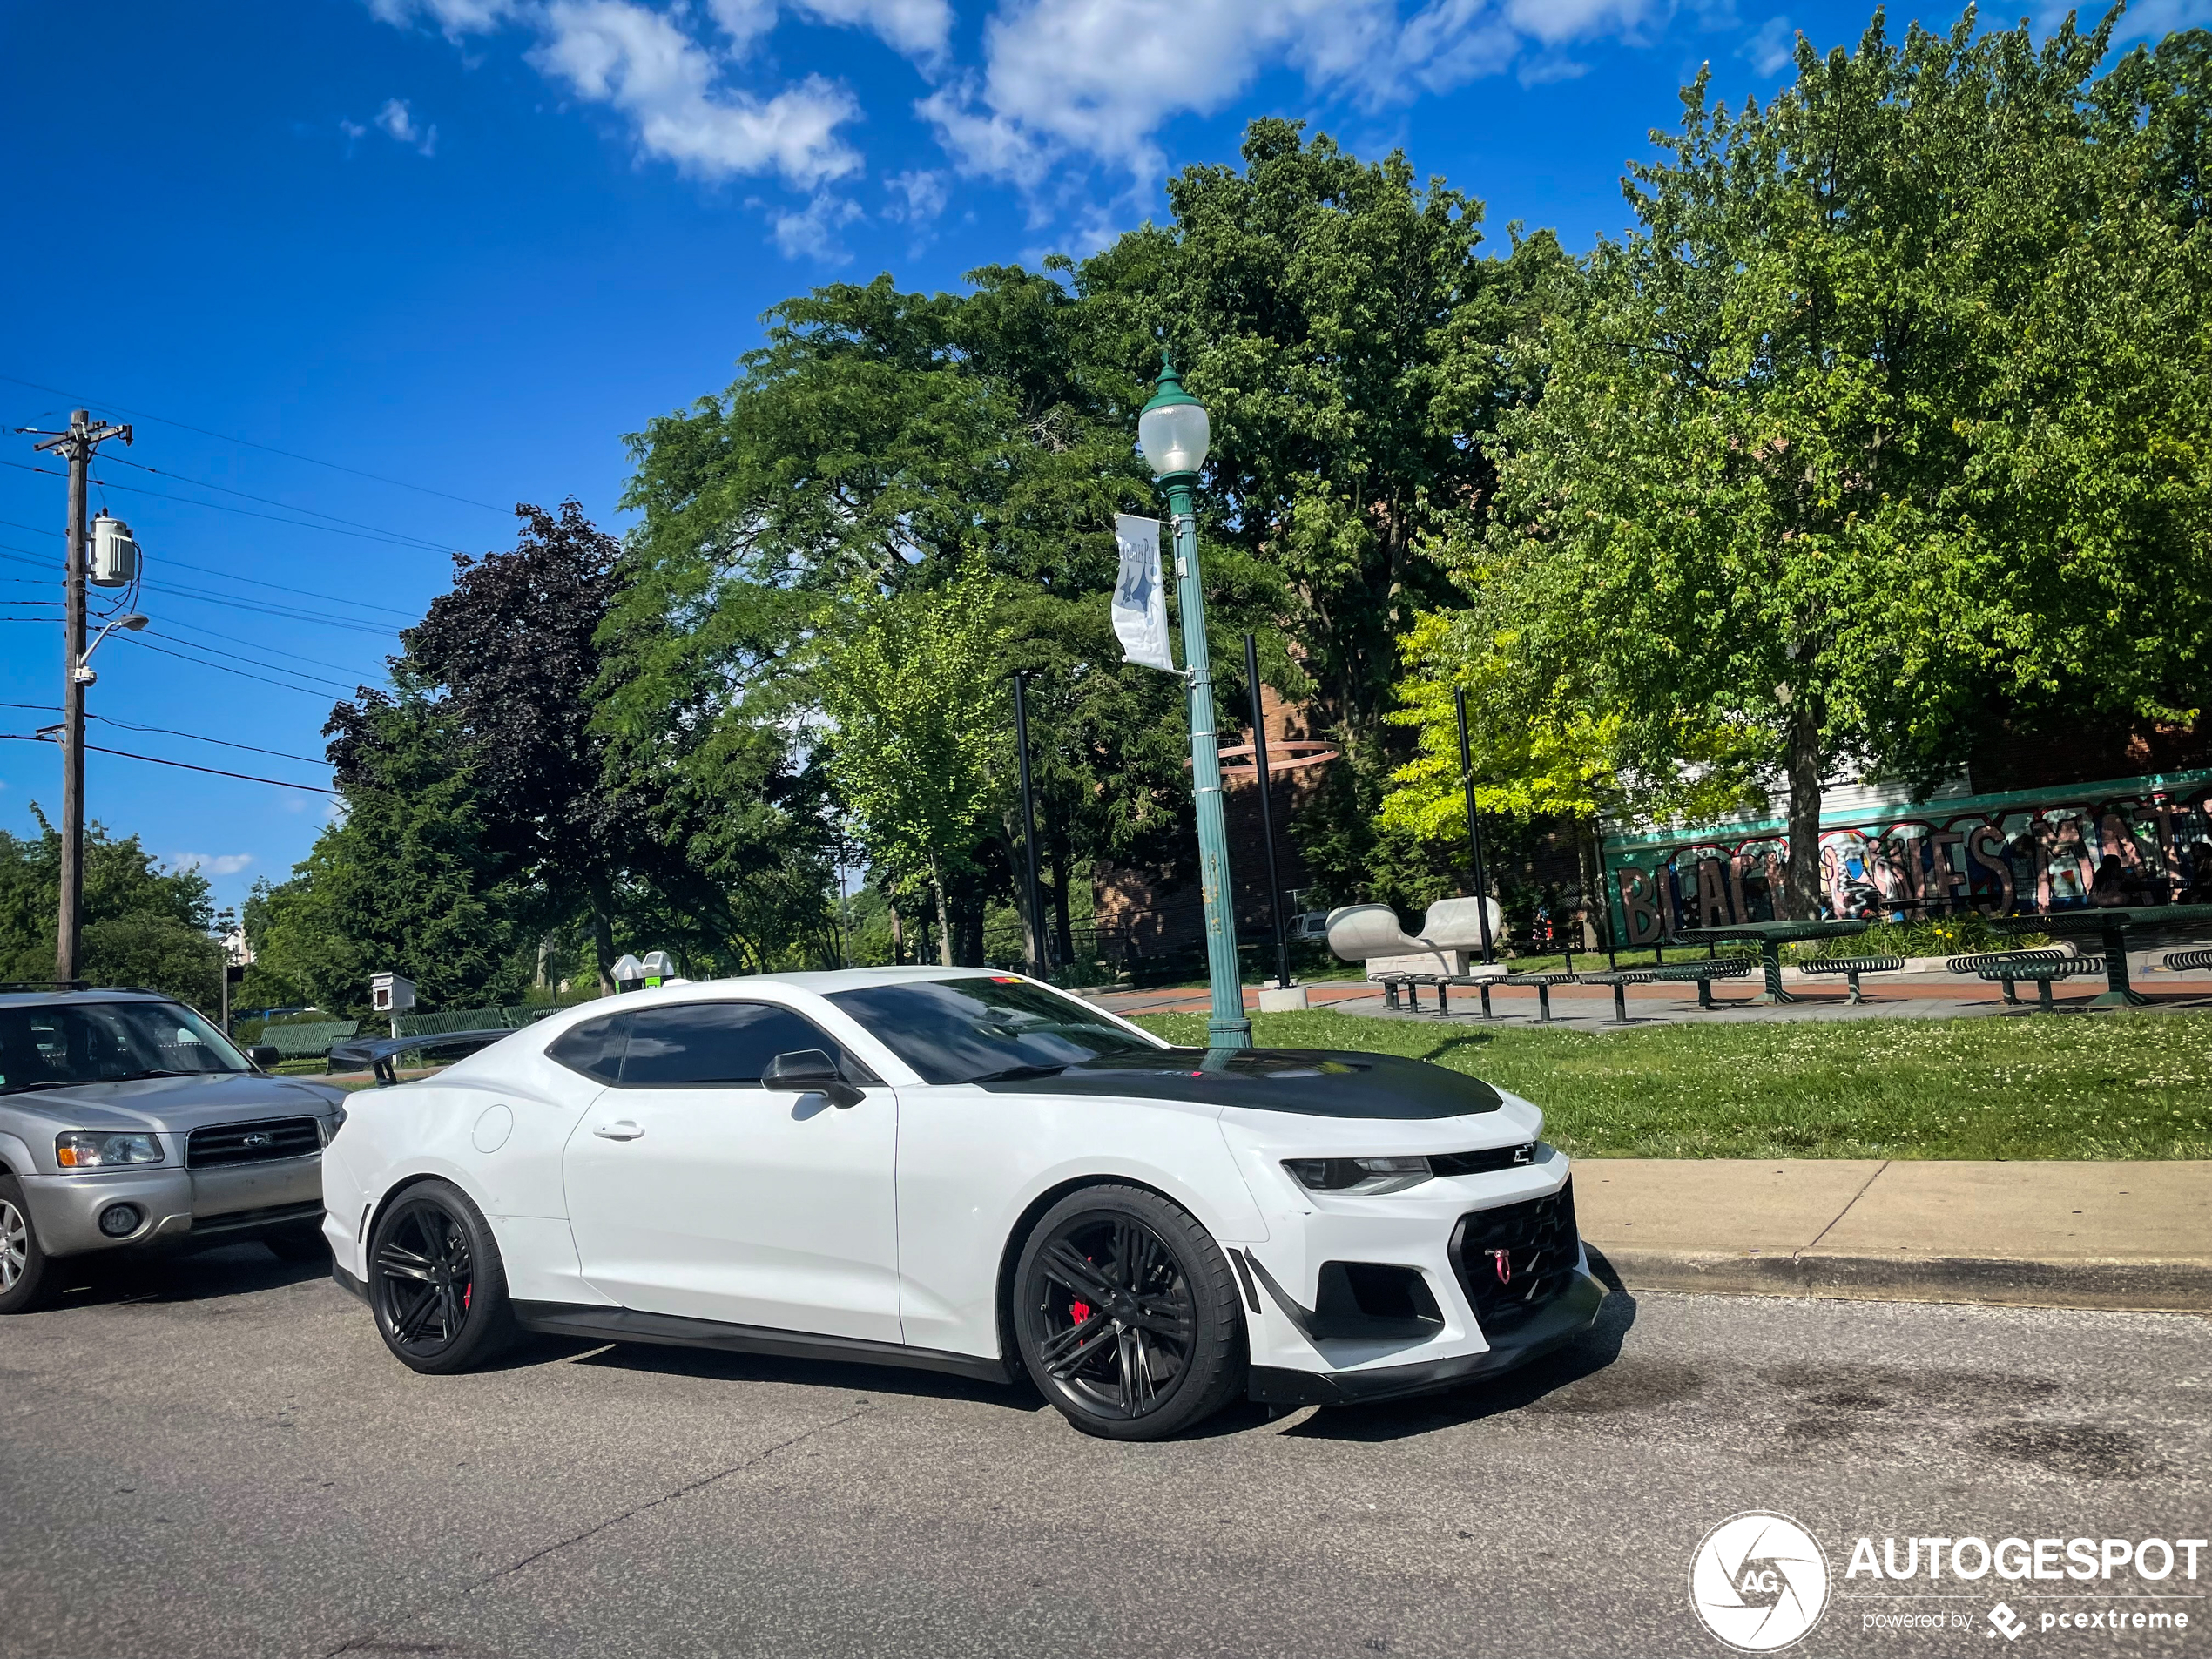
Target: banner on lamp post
1140	601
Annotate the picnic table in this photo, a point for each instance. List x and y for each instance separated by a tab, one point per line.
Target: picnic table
2113	926
1770	937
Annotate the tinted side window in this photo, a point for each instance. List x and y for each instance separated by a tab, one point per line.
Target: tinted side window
594	1048
698	1044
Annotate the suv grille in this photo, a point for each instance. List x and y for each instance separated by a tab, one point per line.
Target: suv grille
1512	1260
279	1137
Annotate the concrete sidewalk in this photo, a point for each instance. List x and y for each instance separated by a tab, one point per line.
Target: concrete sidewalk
2136	1234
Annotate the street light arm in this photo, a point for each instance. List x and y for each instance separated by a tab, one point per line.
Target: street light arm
133	621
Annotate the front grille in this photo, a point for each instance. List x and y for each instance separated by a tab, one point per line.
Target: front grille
1483	1163
1540	1244
226	1143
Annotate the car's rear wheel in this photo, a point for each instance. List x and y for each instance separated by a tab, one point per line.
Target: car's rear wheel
26	1276
1126	1314
437	1282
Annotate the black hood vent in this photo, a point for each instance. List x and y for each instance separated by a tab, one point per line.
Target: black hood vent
1318	1082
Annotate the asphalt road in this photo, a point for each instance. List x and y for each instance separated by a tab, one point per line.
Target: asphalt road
217	1457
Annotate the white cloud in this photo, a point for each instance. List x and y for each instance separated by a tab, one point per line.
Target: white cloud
211	863
613	51
919	195
918	28
1099	78
1772	49
397	119
811	232
453	17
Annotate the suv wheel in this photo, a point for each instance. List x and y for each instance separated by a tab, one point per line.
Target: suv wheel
26	1277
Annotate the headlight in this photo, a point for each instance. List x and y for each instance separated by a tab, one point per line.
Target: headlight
80	1149
1361	1175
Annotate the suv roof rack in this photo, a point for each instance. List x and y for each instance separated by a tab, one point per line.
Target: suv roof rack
45	985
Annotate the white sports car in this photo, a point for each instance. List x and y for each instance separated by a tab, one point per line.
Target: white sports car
968	1173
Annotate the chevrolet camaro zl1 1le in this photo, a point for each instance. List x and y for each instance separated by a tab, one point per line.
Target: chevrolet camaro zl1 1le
968	1172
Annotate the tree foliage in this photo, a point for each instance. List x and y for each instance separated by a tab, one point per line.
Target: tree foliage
143	925
1891	411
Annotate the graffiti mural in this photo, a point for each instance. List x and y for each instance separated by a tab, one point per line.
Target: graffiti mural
2129	842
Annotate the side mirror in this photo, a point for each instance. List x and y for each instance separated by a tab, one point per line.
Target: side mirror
809	1071
264	1055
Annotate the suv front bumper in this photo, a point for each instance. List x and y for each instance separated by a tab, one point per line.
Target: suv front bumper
176	1206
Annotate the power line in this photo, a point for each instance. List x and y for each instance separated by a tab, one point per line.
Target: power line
305	691
265	501
251	582
185	766
198	596
167	731
256	646
413	543
273	668
248	444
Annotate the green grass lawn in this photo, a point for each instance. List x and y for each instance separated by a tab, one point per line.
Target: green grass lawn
2107	1086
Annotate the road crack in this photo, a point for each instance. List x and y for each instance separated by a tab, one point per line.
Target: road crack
370	1642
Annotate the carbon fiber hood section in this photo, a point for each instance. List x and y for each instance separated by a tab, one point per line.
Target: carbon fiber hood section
1316	1082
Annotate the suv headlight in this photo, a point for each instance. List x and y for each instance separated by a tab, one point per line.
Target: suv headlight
81	1149
1357	1175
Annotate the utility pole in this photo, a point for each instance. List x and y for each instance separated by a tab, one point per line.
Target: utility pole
1032	896
77	446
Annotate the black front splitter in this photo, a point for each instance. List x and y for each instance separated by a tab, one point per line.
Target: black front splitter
1573	1312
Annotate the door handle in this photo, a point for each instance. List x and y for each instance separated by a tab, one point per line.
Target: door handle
621	1129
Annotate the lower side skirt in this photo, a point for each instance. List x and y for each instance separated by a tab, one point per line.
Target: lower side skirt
627	1324
1569	1314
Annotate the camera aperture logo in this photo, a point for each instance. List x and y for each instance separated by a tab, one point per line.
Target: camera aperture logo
1759	1582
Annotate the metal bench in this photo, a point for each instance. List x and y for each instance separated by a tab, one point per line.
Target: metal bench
1999	959
1543	982
1620	979
1704	973
2184	962
1852	967
2055	967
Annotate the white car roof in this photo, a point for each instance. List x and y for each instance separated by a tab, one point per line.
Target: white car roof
824	980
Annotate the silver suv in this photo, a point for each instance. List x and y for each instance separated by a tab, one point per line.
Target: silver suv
126	1120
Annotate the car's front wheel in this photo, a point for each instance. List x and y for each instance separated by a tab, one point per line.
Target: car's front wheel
1126	1314
437	1282
26	1276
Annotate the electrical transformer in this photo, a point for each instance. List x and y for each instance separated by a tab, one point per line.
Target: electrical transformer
115	555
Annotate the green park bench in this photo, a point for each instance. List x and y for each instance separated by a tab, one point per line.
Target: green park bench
2043	973
311	1040
1620	979
1703	973
1998	960
1543	982
1852	967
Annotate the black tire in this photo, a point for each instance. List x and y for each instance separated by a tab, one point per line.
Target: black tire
1165	1348
302	1243
436	1283
27	1278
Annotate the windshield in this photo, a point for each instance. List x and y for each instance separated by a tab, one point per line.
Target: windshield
49	1043
967	1030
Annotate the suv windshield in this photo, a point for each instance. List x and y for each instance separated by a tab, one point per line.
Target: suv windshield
45	1044
969	1030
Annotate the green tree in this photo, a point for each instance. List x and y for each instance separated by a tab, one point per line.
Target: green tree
914	687
1890	411
144	925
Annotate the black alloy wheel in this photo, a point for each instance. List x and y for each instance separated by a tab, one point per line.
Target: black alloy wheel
1126	1316
437	1282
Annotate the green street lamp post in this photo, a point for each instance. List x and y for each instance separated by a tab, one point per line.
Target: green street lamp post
1172	432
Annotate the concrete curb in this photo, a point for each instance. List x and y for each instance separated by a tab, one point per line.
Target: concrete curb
2149	1286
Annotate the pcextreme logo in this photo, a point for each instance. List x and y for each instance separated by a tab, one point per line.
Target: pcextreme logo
1759	1582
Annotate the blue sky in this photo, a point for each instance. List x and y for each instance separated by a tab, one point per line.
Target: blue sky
465	245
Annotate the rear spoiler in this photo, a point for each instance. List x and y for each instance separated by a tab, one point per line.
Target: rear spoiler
378	1053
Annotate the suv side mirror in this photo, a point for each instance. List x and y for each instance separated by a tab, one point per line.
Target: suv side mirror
264	1055
811	1072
